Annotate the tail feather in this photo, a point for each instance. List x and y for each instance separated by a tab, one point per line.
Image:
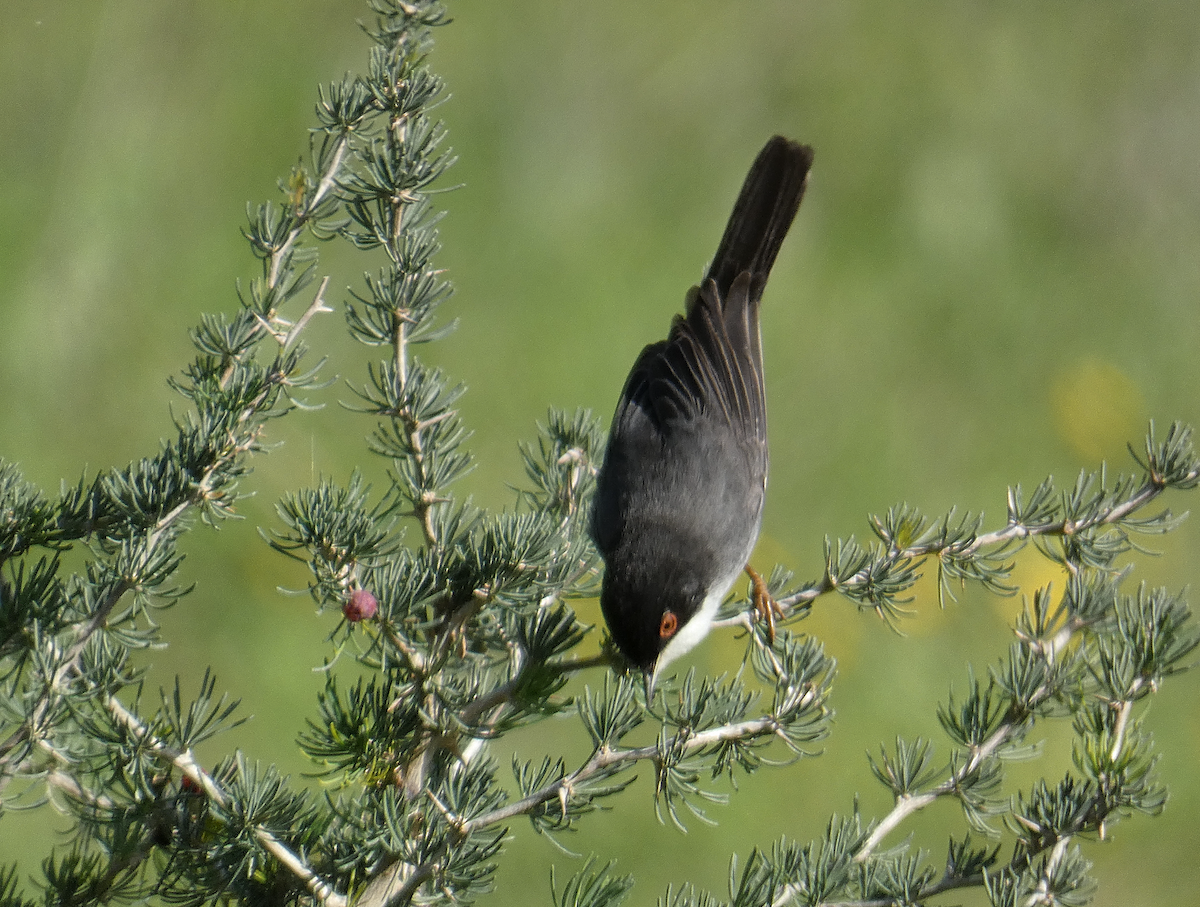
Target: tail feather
764	212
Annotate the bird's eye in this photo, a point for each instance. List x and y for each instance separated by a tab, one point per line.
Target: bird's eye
668	625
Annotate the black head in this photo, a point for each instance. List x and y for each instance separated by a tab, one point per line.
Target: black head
644	613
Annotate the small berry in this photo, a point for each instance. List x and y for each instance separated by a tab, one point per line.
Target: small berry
361	605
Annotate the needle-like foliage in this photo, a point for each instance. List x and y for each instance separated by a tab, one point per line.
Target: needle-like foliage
457	627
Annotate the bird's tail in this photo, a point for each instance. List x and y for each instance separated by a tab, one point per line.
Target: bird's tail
764	212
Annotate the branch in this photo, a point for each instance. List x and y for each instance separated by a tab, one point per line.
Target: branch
305	213
605	758
946	883
186	763
908	804
383	891
1014	531
68	667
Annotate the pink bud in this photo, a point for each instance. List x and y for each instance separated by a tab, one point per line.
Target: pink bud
361	605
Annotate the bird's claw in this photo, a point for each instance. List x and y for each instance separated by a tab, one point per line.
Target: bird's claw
768	609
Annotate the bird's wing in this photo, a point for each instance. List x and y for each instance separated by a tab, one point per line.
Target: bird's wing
710	366
709	369
706	373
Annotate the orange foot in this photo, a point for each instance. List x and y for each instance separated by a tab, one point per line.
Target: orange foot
768	609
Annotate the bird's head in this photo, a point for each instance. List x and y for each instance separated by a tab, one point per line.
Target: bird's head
654	620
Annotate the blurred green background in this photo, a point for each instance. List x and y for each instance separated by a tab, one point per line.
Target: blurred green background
994	277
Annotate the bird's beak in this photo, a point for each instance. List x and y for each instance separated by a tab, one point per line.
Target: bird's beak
651	678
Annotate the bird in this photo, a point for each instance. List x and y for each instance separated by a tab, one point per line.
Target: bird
679	495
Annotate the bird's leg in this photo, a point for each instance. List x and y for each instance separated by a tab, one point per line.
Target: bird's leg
768	609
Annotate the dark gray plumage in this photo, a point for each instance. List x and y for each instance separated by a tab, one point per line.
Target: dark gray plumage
679	498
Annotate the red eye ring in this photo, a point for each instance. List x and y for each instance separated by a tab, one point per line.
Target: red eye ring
668	625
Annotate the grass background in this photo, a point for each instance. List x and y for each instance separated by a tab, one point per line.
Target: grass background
994	277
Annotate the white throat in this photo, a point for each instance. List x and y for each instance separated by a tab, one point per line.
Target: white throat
696	628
